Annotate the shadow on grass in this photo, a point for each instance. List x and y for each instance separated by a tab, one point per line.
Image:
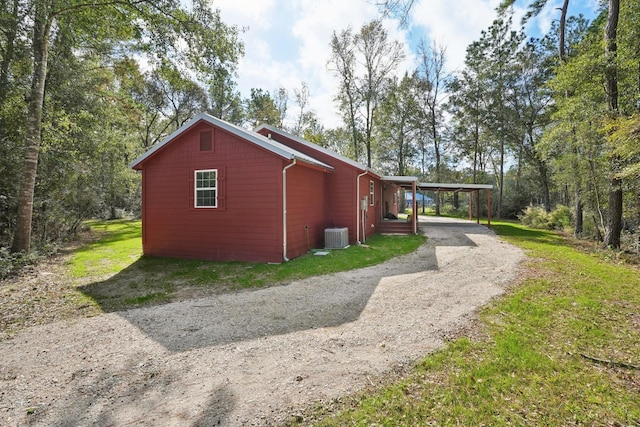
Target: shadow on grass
522	233
118	230
151	281
227	316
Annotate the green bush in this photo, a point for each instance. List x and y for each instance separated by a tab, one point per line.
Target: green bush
560	218
534	217
537	217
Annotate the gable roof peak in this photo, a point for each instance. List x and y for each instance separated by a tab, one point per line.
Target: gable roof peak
250	136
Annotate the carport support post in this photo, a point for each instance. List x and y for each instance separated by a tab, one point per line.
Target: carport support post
488	208
470	193
414	211
478	207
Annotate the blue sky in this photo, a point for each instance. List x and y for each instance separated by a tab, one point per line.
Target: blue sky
287	41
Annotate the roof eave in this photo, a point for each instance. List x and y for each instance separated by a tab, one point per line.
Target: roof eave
316	147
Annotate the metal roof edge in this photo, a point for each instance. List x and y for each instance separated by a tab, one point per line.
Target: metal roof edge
455	186
400	178
165	141
319	148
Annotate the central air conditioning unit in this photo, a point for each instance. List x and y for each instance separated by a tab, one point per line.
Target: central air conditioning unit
336	238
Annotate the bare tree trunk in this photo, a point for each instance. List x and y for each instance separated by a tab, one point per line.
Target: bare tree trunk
598	233
7	58
614	218
578	207
562	29
437	150
476	146
611	51
544	182
578	212
41	30
501	178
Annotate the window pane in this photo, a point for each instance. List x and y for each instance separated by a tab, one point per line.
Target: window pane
206	179
206	198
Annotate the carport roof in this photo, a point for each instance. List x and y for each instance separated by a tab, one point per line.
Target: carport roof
400	179
438	186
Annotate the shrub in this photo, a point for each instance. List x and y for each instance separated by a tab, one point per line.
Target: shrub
534	217
560	218
537	217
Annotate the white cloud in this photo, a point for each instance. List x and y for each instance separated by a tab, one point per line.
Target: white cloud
246	13
545	18
313	27
551	12
288	41
454	24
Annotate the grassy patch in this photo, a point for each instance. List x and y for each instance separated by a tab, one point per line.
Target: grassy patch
530	369
117	245
112	273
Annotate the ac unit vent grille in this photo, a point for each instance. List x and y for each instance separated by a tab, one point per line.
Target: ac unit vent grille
336	238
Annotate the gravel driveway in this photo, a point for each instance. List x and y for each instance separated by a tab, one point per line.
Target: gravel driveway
255	357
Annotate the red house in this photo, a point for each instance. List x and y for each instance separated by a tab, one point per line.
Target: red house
213	190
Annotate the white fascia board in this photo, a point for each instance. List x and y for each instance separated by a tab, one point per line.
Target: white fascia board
453	186
400	179
316	147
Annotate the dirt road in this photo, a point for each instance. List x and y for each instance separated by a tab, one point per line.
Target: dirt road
258	357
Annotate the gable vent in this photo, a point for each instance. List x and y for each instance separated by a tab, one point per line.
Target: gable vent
206	143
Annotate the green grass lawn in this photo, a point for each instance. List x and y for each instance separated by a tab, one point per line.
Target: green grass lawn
533	359
117	245
112	273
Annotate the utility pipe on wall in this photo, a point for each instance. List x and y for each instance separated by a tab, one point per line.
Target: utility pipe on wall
358	206
284	210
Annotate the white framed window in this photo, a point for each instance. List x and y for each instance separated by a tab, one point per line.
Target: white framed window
372	190
206	188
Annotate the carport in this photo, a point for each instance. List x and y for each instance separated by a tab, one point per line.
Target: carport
410	183
463	188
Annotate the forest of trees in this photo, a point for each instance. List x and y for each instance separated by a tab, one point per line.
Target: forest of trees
86	87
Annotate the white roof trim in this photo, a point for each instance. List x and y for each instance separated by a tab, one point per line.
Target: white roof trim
453	187
404	179
323	150
266	143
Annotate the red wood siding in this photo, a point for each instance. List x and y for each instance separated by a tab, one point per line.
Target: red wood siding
390	199
342	202
372	214
305	210
247	225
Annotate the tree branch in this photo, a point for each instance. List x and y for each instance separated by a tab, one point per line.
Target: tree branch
612	363
73	8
